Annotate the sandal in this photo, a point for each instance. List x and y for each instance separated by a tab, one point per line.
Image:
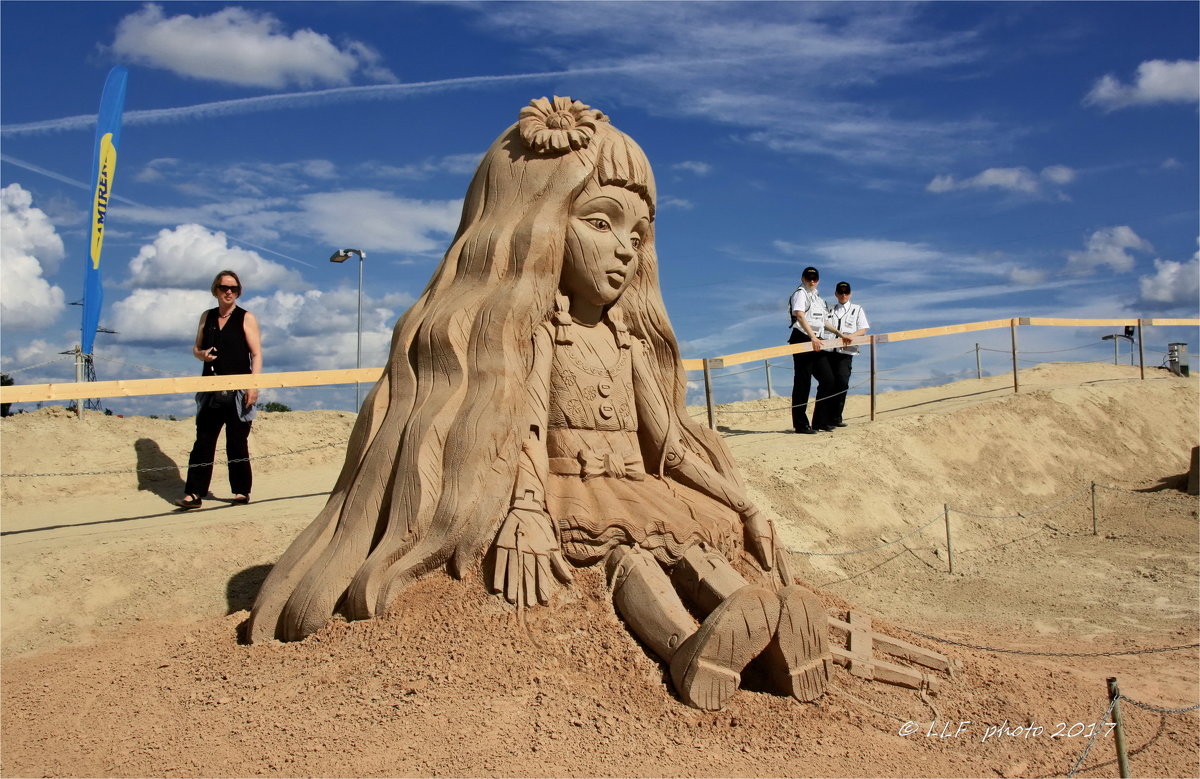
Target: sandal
189	502
240	500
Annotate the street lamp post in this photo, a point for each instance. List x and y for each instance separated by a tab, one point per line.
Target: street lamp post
341	255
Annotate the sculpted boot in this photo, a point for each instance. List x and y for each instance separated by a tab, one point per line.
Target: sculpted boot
705	663
798	658
742	618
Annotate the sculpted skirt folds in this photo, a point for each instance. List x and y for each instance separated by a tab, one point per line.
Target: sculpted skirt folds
600	496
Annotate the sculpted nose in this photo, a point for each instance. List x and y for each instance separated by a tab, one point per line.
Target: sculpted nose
625	251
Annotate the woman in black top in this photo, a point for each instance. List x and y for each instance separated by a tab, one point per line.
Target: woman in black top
228	343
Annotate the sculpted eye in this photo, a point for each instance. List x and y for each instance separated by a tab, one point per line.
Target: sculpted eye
598	223
636	240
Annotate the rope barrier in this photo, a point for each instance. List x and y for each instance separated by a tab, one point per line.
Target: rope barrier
1025	515
1030	653
172	467
1020	515
1044	351
735	373
141	367
872	549
788	408
59	358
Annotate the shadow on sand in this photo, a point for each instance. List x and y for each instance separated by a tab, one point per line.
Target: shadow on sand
157	472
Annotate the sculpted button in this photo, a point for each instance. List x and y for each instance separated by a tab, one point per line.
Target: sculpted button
605	389
607	410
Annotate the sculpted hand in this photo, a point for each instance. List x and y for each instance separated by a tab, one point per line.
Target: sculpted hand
526	552
760	537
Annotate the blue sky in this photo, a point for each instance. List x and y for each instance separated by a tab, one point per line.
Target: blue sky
955	162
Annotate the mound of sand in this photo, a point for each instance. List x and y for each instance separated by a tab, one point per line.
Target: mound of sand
120	615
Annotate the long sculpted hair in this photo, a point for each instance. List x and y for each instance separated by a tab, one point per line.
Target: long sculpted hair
433	456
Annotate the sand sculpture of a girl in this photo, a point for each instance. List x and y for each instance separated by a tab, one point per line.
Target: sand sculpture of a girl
532	410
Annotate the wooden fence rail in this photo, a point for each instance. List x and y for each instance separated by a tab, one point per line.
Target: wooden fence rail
29	393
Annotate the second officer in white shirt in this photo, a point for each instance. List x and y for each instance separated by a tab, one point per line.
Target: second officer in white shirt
845	320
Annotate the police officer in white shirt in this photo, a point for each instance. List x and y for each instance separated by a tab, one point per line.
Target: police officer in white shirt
847	321
809	313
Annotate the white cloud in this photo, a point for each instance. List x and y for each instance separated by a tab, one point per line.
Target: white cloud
242	179
240	46
190	255
319	329
29	248
1020	180
457	164
1157	81
778	74
694	166
1058	174
1026	276
162	317
372	219
1109	248
866	253
669	202
1173	283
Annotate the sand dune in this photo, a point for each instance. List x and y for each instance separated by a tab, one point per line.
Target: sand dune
120	615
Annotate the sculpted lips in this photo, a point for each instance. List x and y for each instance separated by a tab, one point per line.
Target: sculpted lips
616	276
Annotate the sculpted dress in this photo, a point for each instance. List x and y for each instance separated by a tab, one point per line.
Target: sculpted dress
598	492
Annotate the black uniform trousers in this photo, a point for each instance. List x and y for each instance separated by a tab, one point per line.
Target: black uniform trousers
839	367
809	365
209	422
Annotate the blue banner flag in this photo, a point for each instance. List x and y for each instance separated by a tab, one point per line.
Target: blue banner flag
104	165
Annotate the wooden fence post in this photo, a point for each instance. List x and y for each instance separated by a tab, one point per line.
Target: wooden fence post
1141	350
767	368
1114	698
978	364
1013	326
708	399
949	542
873	342
1095	515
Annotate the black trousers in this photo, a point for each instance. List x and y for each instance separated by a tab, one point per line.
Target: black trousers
839	366
208	427
809	365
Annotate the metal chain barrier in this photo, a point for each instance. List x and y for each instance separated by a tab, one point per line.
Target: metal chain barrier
172	467
1091	741
1158	709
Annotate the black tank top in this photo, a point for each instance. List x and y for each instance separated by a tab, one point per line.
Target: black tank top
233	353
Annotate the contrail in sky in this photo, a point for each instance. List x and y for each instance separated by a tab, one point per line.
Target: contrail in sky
248	105
60	177
76	183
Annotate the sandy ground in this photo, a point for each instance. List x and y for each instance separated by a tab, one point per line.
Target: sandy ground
120	615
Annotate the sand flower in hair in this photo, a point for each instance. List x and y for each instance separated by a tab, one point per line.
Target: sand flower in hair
559	126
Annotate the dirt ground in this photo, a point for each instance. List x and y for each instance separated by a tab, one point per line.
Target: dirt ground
119	620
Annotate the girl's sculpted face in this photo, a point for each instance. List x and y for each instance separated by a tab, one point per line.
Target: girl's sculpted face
607	226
